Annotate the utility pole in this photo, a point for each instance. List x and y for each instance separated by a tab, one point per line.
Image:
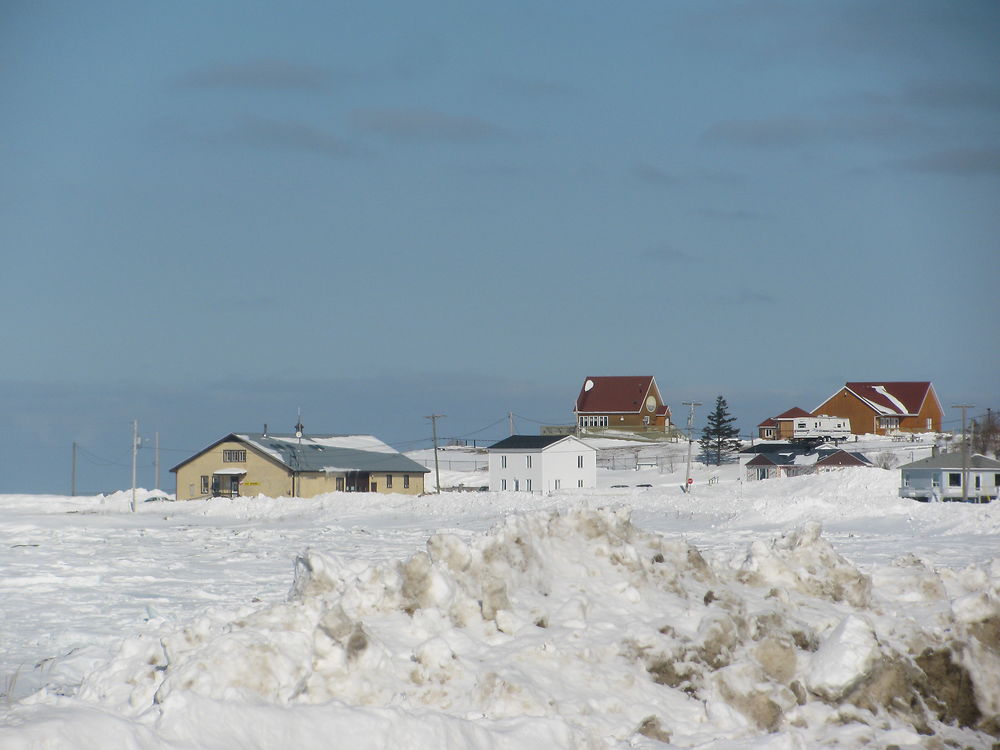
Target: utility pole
965	452
156	459
437	472
510	422
135	449
687	473
73	478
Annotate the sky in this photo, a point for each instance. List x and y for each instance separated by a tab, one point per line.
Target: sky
213	215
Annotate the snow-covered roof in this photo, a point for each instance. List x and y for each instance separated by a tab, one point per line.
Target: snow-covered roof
328	453
901	398
532	442
954	461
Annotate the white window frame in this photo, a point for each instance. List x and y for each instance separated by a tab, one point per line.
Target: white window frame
234	456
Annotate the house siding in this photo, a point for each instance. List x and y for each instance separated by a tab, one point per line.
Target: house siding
554	463
264	476
865	420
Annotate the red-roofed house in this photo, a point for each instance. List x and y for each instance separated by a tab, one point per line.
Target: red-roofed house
621	402
886	408
780	427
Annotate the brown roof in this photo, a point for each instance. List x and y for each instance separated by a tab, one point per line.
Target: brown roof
843	458
793	413
891	398
617	393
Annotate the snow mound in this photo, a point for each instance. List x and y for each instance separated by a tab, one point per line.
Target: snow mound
570	629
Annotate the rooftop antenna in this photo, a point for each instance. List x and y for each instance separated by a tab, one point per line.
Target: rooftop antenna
298	427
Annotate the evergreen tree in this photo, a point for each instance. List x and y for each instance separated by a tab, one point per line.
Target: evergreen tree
720	435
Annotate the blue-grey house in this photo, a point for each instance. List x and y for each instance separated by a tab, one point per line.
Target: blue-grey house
940	478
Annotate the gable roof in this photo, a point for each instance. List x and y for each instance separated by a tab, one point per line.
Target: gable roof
900	398
530	442
977	461
793	413
616	394
324	452
843	458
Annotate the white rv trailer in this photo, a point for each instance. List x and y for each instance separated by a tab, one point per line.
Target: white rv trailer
821	427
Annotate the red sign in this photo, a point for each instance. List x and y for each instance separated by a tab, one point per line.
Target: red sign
690	480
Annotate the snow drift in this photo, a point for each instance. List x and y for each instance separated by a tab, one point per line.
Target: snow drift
562	629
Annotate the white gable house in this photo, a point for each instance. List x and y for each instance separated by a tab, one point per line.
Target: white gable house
541	463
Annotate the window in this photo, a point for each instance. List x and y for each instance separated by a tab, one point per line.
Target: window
204	485
593	421
954	479
527	461
503	484
340	484
579	462
996	480
527	485
579	483
906	479
388	481
558	484
978	481
234	457
935	480
930	424
503	462
406	481
888	423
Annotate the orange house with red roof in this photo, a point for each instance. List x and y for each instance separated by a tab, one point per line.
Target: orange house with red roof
886	408
621	402
781	427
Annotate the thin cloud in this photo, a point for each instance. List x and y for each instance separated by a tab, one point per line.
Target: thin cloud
289	135
748	297
652	175
270	75
982	162
952	95
728	215
667	254
425	125
792	131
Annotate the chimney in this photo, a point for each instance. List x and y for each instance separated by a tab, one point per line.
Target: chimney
265	429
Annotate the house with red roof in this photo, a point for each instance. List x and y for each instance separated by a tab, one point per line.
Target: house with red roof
782	426
885	407
621	402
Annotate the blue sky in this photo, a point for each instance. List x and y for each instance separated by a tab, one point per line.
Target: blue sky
213	214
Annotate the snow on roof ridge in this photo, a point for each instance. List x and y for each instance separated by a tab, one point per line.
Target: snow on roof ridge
895	401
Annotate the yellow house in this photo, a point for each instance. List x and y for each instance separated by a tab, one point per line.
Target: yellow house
291	466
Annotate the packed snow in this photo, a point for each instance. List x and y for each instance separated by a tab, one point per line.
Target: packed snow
820	610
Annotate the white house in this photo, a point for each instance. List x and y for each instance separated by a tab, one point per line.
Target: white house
940	478
542	463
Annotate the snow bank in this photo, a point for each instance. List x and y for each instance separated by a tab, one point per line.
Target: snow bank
560	629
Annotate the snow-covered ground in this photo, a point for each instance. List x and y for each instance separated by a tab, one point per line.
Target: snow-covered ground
792	613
